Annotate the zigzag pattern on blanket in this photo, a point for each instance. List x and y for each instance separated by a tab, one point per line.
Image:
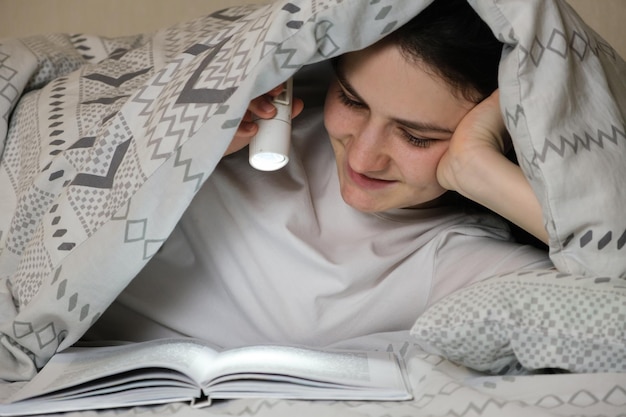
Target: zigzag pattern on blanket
111	138
559	74
89	151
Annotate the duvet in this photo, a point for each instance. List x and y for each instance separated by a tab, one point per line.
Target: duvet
104	142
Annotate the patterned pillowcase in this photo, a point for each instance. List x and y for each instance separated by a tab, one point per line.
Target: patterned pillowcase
536	319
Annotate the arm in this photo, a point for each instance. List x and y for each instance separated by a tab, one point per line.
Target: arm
476	168
260	107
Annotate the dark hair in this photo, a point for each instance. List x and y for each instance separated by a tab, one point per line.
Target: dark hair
455	44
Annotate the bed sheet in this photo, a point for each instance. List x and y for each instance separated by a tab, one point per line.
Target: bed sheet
440	388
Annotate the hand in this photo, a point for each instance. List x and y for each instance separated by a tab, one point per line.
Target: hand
475	166
259	108
478	136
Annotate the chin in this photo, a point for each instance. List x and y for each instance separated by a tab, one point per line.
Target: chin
371	201
364	204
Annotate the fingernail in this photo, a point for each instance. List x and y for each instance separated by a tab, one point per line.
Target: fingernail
267	106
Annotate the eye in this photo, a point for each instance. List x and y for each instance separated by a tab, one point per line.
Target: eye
416	141
347	101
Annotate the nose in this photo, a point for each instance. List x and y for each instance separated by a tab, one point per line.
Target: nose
367	152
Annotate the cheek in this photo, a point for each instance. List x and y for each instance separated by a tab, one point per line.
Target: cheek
421	167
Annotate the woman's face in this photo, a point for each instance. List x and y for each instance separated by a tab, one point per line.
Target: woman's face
389	123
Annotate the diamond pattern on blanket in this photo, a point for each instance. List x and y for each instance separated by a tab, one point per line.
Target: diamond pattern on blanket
8	93
21	154
29	276
102	167
25	221
203	28
61	58
574	163
556	43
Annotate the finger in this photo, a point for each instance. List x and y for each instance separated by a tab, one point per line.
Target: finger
262	107
247	117
238	143
242	137
276	90
296	107
246	130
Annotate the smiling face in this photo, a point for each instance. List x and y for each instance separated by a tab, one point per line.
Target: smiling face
389	123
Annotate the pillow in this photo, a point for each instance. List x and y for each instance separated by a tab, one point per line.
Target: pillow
539	319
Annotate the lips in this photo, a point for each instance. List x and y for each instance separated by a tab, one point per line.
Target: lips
365	182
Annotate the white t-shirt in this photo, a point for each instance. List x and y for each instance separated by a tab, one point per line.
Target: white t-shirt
278	257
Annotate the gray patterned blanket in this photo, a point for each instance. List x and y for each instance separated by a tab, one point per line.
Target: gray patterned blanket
104	142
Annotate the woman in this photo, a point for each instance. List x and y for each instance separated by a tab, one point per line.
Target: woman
359	233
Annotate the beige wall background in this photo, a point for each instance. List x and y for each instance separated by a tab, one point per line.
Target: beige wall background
102	17
126	17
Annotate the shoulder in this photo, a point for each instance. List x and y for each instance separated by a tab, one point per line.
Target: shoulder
478	249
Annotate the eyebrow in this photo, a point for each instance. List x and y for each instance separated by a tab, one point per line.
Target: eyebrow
411	124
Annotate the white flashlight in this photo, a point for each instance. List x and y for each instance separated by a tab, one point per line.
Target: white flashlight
269	148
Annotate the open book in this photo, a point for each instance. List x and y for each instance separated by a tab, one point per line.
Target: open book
172	370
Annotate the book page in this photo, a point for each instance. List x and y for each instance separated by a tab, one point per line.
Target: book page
79	365
357	369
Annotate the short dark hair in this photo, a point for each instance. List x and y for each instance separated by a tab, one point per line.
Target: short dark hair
456	44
